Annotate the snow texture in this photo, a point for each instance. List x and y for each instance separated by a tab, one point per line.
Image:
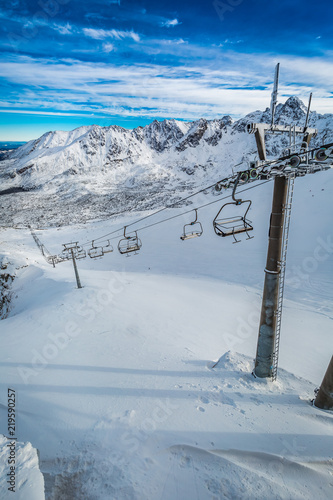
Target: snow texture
138	386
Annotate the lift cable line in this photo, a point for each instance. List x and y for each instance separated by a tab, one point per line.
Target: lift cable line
171	205
198	208
80	252
260	172
218	200
268	170
50	259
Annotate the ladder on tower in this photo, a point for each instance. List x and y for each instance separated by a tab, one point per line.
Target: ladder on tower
282	275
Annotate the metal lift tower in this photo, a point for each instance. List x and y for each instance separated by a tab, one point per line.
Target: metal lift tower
266	362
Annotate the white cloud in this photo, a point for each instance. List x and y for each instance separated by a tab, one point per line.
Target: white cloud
63	29
32	112
108	47
97	34
230	42
100	34
242	83
170	23
173	41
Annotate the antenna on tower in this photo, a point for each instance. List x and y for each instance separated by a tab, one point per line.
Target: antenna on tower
275	92
308	132
260	129
308	111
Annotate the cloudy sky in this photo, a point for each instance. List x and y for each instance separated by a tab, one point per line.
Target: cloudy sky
67	63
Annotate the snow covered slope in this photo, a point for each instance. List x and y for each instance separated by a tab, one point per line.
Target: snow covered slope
139	385
99	171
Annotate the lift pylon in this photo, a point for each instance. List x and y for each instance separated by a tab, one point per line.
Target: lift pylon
266	362
73	249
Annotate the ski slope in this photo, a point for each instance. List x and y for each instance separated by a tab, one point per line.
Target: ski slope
139	385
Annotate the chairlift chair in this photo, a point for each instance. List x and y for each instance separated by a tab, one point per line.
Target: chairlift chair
107	248
95	252
66	254
230	226
129	244
193	229
80	253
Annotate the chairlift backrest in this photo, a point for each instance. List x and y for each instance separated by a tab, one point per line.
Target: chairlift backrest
107	248
80	254
95	252
66	254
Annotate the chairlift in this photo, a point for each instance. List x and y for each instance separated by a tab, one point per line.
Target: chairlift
193	229
66	254
230	226
95	252
107	248
80	253
129	244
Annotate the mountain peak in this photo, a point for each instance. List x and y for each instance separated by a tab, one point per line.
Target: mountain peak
294	102
292	111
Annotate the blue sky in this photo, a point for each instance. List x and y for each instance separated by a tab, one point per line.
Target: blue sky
67	63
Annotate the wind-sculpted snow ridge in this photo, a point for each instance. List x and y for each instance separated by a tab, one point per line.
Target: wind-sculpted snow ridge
27	482
93	171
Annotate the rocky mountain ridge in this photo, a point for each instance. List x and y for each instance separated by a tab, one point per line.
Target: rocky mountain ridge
95	166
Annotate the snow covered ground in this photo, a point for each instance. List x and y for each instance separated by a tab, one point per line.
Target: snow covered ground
139	385
27	482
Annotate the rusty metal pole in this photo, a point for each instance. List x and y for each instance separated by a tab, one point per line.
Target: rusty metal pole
267	329
324	398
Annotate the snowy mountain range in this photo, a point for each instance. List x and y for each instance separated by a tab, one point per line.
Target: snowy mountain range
96	171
